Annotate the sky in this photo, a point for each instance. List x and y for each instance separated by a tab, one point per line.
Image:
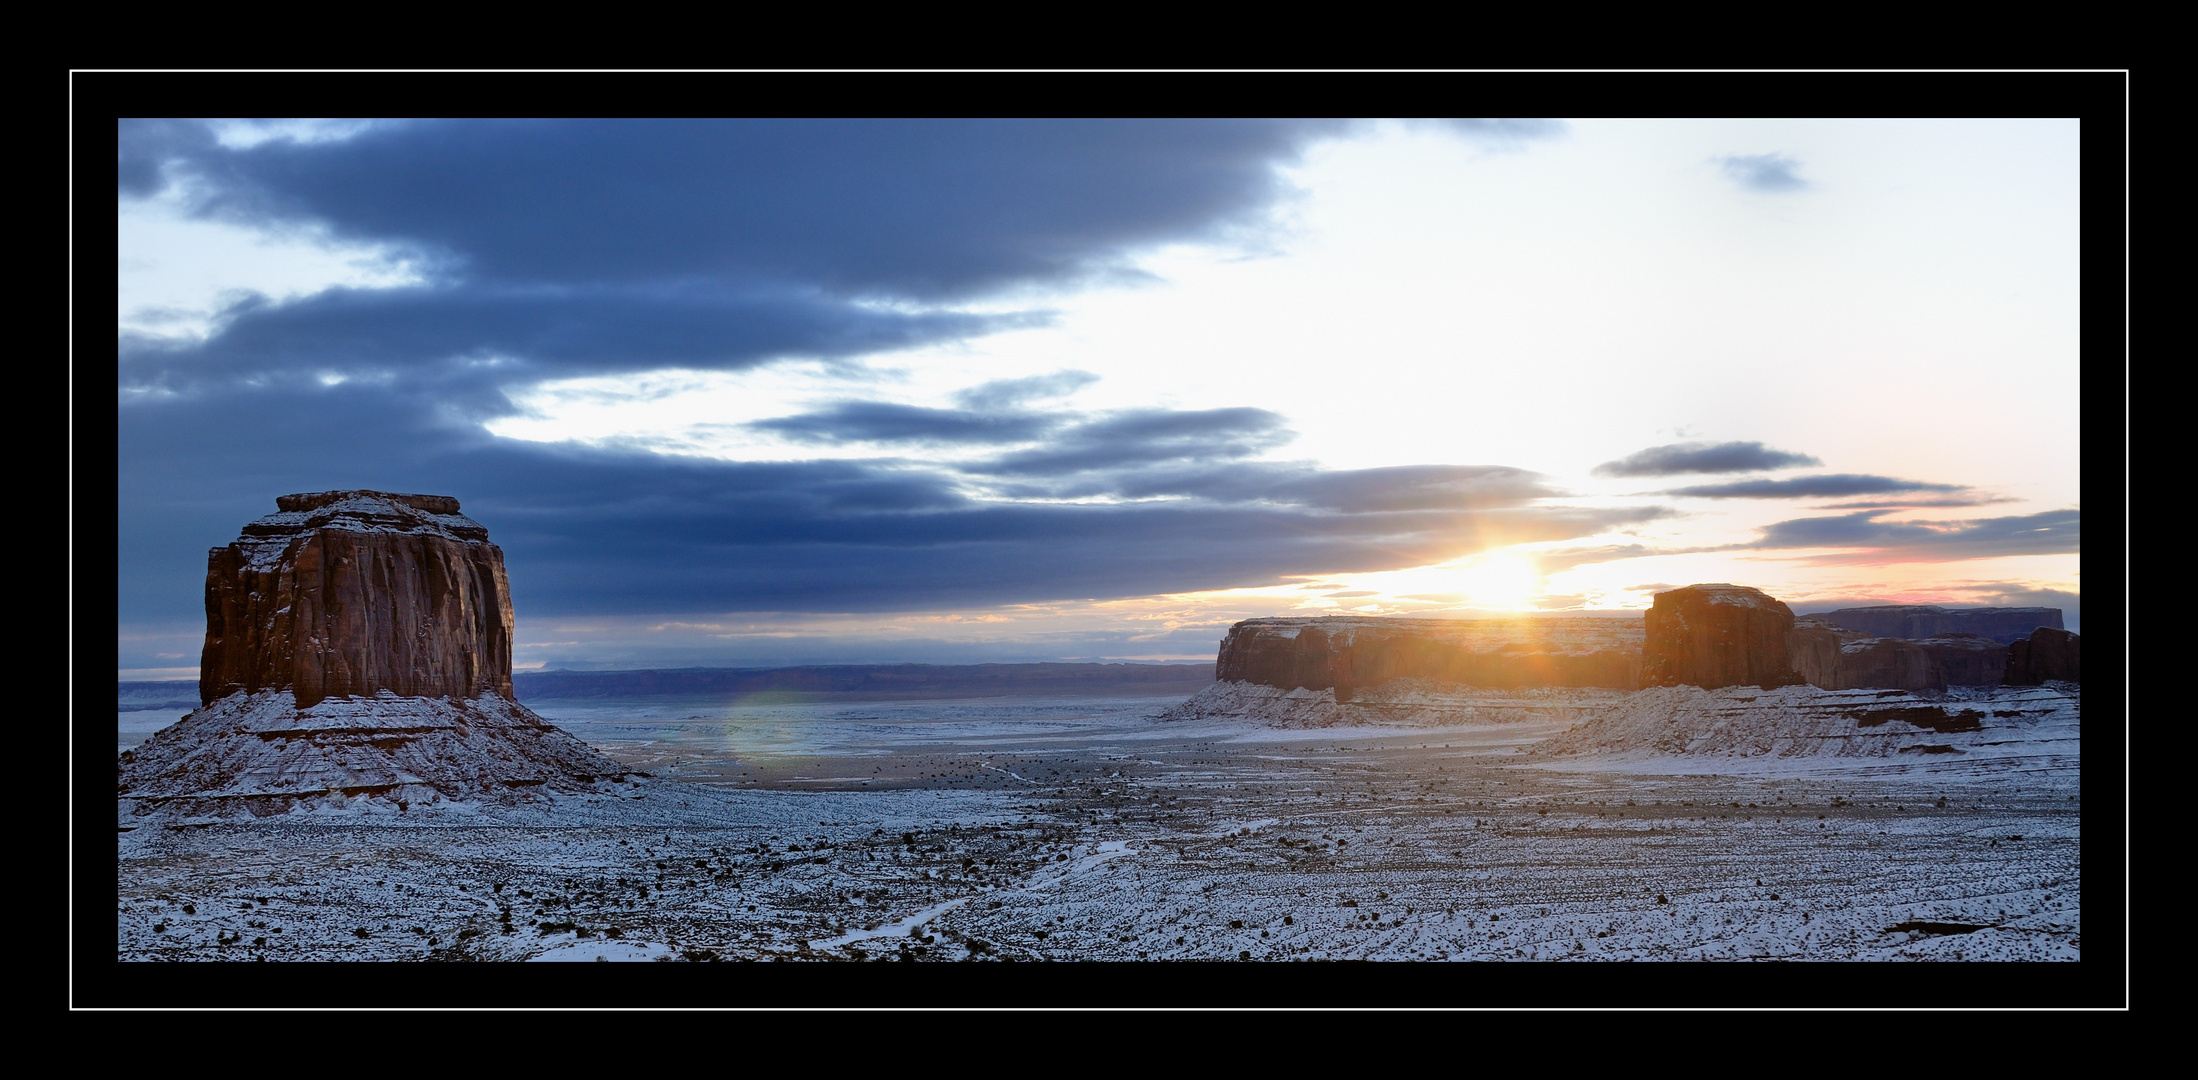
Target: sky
770	392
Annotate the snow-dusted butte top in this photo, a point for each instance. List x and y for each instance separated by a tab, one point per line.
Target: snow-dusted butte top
264	539
1719	592
1715	635
345	593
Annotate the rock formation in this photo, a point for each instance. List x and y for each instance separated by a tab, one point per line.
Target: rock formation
1717	635
2002	624
358	644
1967	659
352	592
1836	658
2048	654
1342	653
1703	635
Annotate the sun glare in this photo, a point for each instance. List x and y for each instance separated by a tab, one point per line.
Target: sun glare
1502	581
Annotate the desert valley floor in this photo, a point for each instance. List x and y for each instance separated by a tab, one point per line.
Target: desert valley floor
1536	825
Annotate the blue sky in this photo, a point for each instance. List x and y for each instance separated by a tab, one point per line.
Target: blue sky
798	391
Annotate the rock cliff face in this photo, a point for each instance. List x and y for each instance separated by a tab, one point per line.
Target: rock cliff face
1717	635
2001	624
1342	653
1836	658
354	592
2048	654
358	647
1967	659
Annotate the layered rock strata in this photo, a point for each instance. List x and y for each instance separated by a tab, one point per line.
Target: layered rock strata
1835	658
2002	624
354	592
1717	635
2048	655
358	646
1839	658
1342	653
1967	659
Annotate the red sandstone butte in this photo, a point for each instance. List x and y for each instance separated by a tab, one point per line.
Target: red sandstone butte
2047	654
1717	635
352	592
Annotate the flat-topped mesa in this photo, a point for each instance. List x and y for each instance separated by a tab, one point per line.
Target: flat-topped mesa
1717	635
1342	653
353	592
2005	625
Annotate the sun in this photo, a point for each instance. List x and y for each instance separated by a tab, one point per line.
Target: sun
1500	580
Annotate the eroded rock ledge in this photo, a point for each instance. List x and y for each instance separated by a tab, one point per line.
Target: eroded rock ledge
355	592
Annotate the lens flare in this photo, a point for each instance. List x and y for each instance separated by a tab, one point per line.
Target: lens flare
1501	581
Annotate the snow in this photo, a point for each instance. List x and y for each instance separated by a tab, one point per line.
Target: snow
266	541
1434	823
601	950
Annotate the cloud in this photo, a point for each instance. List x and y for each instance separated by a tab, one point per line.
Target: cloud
1933	502
1878	541
927	209
604	531
508	336
1811	487
570	248
1770	173
1703	457
877	421
564	249
1144	437
1008	393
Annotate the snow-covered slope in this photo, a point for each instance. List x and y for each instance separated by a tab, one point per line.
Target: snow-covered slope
259	753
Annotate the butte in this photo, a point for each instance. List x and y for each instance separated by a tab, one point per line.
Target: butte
358	657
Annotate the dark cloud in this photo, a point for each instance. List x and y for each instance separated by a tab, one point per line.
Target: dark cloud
1397	488
593	531
1927	503
2051	533
144	148
877	421
562	249
930	209
1772	173
1702	457
1008	393
1145	437
508	336
1811	487
578	247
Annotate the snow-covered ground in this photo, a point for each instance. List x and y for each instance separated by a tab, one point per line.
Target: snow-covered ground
1424	823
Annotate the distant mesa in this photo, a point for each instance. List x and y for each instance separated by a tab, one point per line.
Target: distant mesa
1341	653
358	645
1835	658
1710	636
2005	625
